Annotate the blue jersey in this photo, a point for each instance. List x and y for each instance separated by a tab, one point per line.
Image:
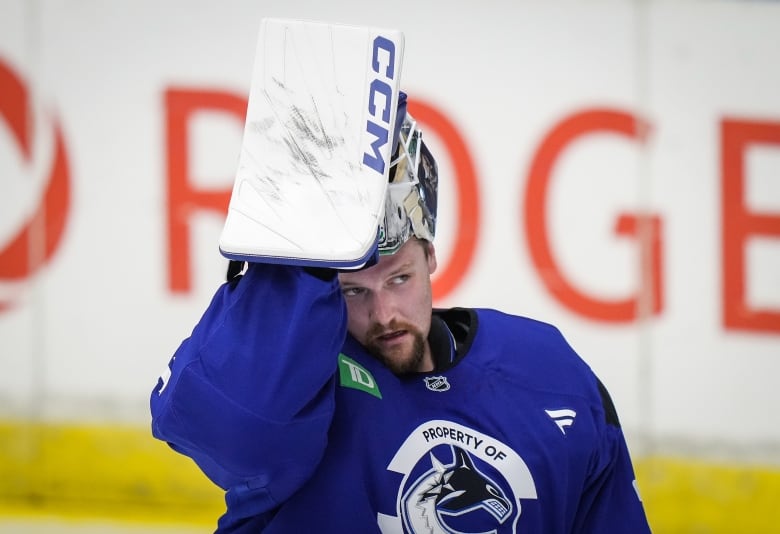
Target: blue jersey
306	431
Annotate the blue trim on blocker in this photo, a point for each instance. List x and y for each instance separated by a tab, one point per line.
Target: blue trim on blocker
370	258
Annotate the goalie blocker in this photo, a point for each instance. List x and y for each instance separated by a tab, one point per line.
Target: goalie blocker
324	119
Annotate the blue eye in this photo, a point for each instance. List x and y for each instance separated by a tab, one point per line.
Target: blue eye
351	291
400	279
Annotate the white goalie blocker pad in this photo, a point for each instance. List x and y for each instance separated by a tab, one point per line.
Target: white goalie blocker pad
313	170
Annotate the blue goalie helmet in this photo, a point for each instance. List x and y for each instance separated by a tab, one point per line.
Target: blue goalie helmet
410	203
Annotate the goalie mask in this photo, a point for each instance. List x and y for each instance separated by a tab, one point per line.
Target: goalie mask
410	203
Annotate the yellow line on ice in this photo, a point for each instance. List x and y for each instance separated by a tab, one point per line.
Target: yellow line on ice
123	473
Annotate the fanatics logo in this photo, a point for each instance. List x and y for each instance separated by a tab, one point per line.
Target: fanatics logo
437	383
563	418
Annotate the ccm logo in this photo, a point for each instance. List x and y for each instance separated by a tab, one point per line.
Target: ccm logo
380	101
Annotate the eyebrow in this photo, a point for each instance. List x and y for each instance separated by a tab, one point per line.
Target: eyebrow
405	270
404	267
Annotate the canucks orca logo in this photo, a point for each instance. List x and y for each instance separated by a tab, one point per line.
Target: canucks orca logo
457	480
446	494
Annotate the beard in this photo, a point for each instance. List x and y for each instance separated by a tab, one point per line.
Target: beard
400	360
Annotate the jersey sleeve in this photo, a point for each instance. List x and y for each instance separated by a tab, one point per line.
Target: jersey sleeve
610	502
249	396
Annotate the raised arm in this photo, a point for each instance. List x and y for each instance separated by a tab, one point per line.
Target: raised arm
249	395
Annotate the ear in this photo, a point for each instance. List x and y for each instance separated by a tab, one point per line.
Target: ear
430	253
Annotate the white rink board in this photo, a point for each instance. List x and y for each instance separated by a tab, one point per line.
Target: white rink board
86	336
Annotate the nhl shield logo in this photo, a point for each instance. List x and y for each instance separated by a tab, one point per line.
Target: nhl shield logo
437	383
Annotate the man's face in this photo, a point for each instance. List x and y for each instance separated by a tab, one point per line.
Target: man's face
389	307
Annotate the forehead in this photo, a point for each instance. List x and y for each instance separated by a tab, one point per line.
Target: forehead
407	256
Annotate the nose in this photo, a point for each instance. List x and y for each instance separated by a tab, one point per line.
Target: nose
381	309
